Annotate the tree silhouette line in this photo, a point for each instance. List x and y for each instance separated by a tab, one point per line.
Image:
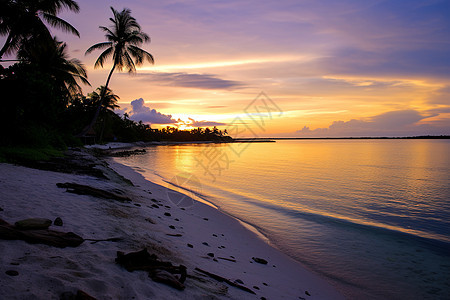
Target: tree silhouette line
41	95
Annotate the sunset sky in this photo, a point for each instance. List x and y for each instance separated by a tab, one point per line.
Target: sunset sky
326	67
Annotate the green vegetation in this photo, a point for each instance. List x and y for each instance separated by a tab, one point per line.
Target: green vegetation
44	108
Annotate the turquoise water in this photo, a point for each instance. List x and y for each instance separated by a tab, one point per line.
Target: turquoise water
370	216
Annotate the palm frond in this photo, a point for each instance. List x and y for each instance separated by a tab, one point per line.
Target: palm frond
103	57
140	55
134	39
70	5
22	19
144	36
98	46
14	45
129	63
79	70
56	6
60	23
111	36
84	80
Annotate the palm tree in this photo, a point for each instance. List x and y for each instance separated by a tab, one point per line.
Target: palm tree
123	40
109	99
51	58
22	19
109	103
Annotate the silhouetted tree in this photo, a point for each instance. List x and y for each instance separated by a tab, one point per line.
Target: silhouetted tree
51	57
109	99
109	103
23	19
123	41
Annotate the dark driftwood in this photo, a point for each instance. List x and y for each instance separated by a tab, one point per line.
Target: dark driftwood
40	236
223	279
260	260
159	271
81	189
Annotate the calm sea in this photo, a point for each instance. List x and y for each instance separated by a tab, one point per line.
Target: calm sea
370	216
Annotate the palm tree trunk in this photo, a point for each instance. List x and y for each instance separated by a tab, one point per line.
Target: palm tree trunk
99	107
103	126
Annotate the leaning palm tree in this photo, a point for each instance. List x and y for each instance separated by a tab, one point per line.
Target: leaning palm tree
23	19
123	40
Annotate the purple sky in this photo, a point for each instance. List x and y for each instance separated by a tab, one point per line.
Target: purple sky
334	68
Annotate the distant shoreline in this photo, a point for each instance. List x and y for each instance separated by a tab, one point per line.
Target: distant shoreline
121	145
342	138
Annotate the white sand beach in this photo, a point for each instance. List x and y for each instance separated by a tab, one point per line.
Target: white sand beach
196	236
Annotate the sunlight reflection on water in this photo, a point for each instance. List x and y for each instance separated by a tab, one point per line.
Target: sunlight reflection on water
341	207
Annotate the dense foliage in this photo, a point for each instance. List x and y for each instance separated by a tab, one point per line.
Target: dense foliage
39	111
41	97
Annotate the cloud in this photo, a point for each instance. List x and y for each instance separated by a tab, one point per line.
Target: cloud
382	38
191	80
204	123
407	62
120	111
439	110
140	112
159	105
397	119
441	96
393	123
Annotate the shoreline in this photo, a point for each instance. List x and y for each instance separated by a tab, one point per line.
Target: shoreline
198	236
131	145
197	198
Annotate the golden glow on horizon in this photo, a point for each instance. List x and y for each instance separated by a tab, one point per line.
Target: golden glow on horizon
221	64
307	100
318	70
315	112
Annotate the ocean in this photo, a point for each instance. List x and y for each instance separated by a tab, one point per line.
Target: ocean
372	217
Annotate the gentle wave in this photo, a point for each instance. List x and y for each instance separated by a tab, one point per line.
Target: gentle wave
436	242
371	216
